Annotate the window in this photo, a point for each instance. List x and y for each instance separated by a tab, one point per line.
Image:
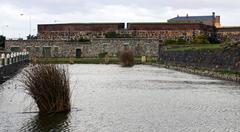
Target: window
104	47
55	51
47	52
37	49
28	49
126	46
15	49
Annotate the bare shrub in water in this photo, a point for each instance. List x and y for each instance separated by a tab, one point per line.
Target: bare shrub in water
127	58
49	86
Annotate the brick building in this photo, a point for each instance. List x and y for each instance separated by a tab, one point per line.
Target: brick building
211	20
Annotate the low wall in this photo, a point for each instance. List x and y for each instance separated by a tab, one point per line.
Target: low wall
226	58
10	70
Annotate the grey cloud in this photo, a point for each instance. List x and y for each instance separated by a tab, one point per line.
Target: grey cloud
46	11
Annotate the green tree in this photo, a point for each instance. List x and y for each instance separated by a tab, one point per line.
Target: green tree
201	39
2	42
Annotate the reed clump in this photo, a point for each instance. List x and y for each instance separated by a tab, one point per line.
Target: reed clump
127	58
49	86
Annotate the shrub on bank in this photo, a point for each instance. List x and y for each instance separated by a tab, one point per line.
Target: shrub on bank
178	41
49	86
127	58
201	39
102	55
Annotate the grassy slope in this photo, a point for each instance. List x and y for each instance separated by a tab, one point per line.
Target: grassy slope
81	60
193	47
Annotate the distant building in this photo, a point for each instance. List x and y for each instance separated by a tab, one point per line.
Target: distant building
212	20
92	39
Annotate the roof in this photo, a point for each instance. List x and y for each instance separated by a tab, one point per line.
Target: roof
191	18
229	29
167	26
113	23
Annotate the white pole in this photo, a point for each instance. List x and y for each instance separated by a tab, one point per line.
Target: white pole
3	59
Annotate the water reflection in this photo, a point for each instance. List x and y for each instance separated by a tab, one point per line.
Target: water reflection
51	123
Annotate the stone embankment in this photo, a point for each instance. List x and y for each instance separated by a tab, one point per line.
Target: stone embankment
227	57
203	72
221	63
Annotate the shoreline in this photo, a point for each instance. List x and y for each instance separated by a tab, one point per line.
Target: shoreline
208	72
202	72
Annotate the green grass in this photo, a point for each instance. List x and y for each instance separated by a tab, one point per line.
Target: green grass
137	60
194	47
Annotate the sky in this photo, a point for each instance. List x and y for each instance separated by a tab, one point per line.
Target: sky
19	18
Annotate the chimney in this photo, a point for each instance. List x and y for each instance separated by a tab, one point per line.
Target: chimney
187	15
213	14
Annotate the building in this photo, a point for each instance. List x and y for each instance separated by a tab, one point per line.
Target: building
211	20
161	31
70	31
166	31
92	39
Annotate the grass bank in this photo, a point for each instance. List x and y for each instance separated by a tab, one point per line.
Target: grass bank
137	60
193	47
223	74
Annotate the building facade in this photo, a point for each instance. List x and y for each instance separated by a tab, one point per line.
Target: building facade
211	20
61	48
91	39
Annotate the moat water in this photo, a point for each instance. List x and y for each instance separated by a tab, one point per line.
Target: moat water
109	98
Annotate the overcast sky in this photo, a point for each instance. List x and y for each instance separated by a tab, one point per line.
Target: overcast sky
14	25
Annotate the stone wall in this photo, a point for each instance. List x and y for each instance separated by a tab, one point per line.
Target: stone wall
225	58
166	34
46	48
228	34
161	31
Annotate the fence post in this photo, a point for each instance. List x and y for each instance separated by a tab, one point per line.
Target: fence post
14	57
27	55
11	59
8	59
3	59
20	56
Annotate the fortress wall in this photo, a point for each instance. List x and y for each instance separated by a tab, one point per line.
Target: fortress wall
228	34
47	48
160	31
167	26
80	27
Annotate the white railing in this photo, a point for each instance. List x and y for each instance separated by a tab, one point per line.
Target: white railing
11	58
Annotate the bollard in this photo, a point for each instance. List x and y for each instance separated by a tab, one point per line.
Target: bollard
3	59
144	59
14	57
7	59
17	56
20	56
23	56
11	59
27	55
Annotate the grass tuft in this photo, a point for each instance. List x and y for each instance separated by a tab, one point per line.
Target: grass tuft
127	58
49	86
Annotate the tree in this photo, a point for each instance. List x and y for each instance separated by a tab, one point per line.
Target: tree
201	39
2	42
